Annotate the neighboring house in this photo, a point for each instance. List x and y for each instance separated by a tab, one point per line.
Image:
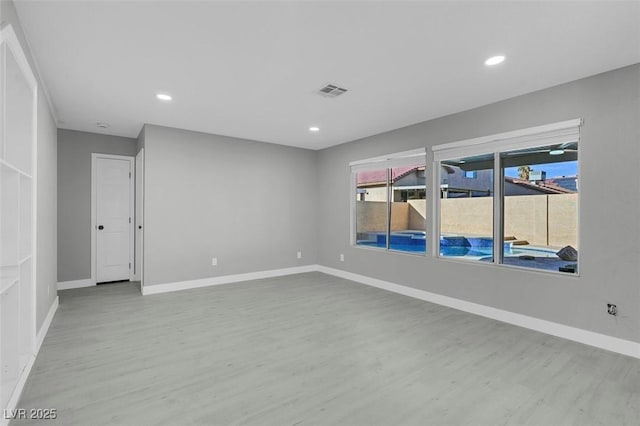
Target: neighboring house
457	183
409	183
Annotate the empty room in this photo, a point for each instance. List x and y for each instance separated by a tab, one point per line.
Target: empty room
319	212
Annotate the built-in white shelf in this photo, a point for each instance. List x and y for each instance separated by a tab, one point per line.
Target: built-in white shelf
4	164
9	216
25	231
18	92
9	276
9	350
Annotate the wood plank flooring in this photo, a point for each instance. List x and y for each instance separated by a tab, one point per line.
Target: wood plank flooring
313	349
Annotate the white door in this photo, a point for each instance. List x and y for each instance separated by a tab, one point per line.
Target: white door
113	219
139	215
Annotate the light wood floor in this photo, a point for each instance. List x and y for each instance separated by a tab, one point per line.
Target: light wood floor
312	349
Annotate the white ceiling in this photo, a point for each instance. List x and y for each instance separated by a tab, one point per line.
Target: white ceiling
250	70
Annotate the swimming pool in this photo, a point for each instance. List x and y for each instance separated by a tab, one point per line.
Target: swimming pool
410	241
471	248
450	245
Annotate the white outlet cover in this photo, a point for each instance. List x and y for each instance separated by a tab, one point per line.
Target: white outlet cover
214	261
299	255
341	257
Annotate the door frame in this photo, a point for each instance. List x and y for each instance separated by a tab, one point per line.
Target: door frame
94	199
138	265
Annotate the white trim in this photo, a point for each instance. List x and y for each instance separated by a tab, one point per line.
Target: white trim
498	209
225	279
352	209
8	36
67	285
132	216
549	134
12	403
40	80
34	217
132	166
398	159
4	163
602	341
42	333
435	210
139	263
383	158
93	221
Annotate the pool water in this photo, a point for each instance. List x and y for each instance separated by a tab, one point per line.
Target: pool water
450	245
410	241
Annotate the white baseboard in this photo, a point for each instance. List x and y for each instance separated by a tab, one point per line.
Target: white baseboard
225	279
17	391
602	341
68	285
42	333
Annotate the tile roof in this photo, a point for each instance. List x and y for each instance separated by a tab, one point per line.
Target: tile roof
379	177
547	187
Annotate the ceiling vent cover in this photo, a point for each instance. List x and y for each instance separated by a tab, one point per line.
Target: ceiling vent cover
331	91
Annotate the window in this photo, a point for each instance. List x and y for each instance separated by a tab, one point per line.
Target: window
390	205
521	208
541	207
466	208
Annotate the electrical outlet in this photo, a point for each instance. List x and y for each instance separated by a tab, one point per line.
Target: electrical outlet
341	257
612	309
214	261
299	255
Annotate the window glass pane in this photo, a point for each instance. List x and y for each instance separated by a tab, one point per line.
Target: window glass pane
371	208
541	207
466	208
408	209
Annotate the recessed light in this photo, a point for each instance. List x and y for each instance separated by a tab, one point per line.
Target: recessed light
163	97
102	125
556	152
314	129
494	60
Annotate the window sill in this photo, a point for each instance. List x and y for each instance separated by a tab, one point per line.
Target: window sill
385	250
501	265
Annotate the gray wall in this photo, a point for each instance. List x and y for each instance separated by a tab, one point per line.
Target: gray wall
609	204
47	212
250	204
46	253
74	196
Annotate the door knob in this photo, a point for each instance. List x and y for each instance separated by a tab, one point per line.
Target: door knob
100	227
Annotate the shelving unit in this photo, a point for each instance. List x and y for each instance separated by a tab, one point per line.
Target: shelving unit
18	91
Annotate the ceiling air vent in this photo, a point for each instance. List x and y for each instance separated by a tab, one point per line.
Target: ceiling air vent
331	91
